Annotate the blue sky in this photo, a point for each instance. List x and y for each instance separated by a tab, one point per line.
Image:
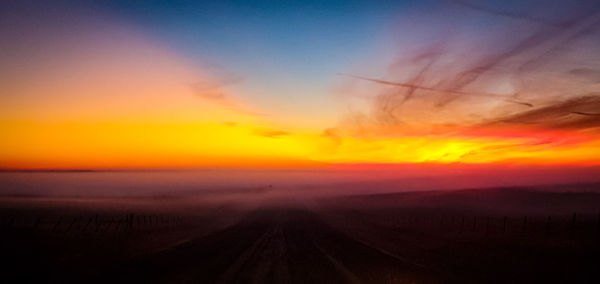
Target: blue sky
288	53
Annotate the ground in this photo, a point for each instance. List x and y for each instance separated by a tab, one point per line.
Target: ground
352	239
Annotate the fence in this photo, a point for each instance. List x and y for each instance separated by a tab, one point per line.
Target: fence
92	224
564	225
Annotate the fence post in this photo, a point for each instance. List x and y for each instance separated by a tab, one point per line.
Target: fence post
37	222
71	225
57	224
112	220
87	224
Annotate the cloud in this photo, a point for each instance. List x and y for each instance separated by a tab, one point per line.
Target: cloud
216	90
271	133
586	74
537	67
411	88
213	88
512	15
580	112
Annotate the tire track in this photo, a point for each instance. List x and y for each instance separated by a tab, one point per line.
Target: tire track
277	246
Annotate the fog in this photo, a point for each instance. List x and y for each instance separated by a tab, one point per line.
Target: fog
359	179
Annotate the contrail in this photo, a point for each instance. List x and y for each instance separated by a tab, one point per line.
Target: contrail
585	113
413	86
524	17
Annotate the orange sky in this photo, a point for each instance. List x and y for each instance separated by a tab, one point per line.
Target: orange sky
109	96
208	144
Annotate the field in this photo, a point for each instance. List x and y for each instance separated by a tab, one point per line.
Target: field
501	235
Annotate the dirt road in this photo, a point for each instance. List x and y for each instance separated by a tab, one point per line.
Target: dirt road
274	246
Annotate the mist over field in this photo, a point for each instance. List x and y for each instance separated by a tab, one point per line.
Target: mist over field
156	227
339	180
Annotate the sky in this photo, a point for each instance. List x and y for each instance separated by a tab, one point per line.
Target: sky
295	84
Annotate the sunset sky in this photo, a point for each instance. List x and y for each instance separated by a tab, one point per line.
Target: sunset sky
253	84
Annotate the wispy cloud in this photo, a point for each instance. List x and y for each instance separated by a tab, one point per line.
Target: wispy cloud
578	112
271	133
549	86
523	88
216	90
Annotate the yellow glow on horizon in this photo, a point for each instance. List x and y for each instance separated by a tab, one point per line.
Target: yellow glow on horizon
208	144
123	145
456	150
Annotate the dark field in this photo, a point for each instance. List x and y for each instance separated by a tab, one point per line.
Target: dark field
507	235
